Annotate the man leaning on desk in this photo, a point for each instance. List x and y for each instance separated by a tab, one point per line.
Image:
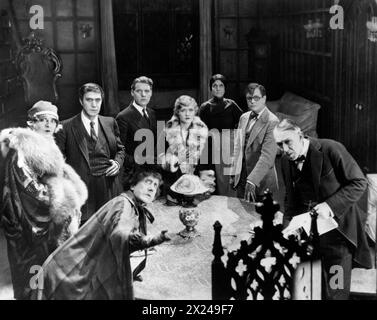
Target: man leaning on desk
321	174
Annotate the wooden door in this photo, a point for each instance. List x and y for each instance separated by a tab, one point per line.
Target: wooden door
358	85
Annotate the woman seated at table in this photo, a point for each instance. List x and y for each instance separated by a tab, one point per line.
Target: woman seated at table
41	195
186	136
222	114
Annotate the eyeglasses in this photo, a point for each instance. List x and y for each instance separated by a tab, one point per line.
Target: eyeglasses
255	98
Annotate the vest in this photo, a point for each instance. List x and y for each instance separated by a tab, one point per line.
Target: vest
304	193
99	153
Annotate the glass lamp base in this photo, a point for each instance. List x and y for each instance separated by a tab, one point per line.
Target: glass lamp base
189	233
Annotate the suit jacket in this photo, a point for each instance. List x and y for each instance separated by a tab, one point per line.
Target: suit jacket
259	153
129	121
339	182
72	142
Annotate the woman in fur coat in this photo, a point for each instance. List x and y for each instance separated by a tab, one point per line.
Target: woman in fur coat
41	196
186	137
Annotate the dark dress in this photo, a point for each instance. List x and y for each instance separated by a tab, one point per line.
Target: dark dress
223	115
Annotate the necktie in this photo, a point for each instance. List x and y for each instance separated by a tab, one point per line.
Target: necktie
253	116
145	115
299	159
93	134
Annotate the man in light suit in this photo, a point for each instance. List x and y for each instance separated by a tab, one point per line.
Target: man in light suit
137	116
92	146
321	174
253	169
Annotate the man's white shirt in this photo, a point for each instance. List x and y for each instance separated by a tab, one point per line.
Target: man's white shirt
86	123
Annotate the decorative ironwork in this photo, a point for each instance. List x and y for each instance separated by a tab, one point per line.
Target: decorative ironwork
39	68
263	267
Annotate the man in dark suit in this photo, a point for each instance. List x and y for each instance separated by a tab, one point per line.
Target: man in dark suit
321	174
92	146
253	169
138	127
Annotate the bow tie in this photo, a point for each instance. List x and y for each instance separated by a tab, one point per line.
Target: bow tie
253	115
299	159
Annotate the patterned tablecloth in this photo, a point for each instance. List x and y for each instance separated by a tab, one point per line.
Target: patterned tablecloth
181	269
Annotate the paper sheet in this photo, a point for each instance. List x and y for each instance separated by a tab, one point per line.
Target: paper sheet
305	220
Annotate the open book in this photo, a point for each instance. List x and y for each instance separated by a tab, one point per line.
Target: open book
304	221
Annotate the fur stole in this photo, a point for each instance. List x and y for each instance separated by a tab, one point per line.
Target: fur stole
41	158
185	153
196	140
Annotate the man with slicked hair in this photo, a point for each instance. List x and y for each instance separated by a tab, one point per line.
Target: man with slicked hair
136	116
92	146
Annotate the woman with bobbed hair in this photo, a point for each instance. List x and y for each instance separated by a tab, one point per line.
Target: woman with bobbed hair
222	114
41	195
186	137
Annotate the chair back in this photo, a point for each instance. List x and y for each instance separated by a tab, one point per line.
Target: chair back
263	267
39	67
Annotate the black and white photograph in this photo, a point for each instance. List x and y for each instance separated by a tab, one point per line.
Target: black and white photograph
200	151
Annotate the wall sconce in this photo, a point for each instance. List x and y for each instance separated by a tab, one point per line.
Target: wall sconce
228	32
314	29
372	29
85	30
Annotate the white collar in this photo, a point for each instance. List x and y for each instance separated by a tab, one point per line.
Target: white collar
139	108
260	112
86	122
305	148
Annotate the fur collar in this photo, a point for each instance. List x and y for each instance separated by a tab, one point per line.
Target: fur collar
39	153
41	158
196	140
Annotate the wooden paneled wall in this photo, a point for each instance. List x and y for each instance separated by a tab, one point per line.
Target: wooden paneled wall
233	21
64	21
11	91
337	70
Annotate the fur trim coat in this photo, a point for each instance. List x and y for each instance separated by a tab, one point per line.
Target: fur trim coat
186	155
42	197
40	160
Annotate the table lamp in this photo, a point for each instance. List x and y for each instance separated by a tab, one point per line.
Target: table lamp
189	185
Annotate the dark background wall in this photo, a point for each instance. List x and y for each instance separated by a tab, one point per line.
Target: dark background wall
11	93
338	70
63	24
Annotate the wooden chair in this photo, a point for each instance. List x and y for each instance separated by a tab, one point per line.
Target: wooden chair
39	67
263	268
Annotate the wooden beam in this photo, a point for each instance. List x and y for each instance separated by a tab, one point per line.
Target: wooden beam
205	54
108	59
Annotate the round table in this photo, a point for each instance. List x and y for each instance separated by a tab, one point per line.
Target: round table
181	268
